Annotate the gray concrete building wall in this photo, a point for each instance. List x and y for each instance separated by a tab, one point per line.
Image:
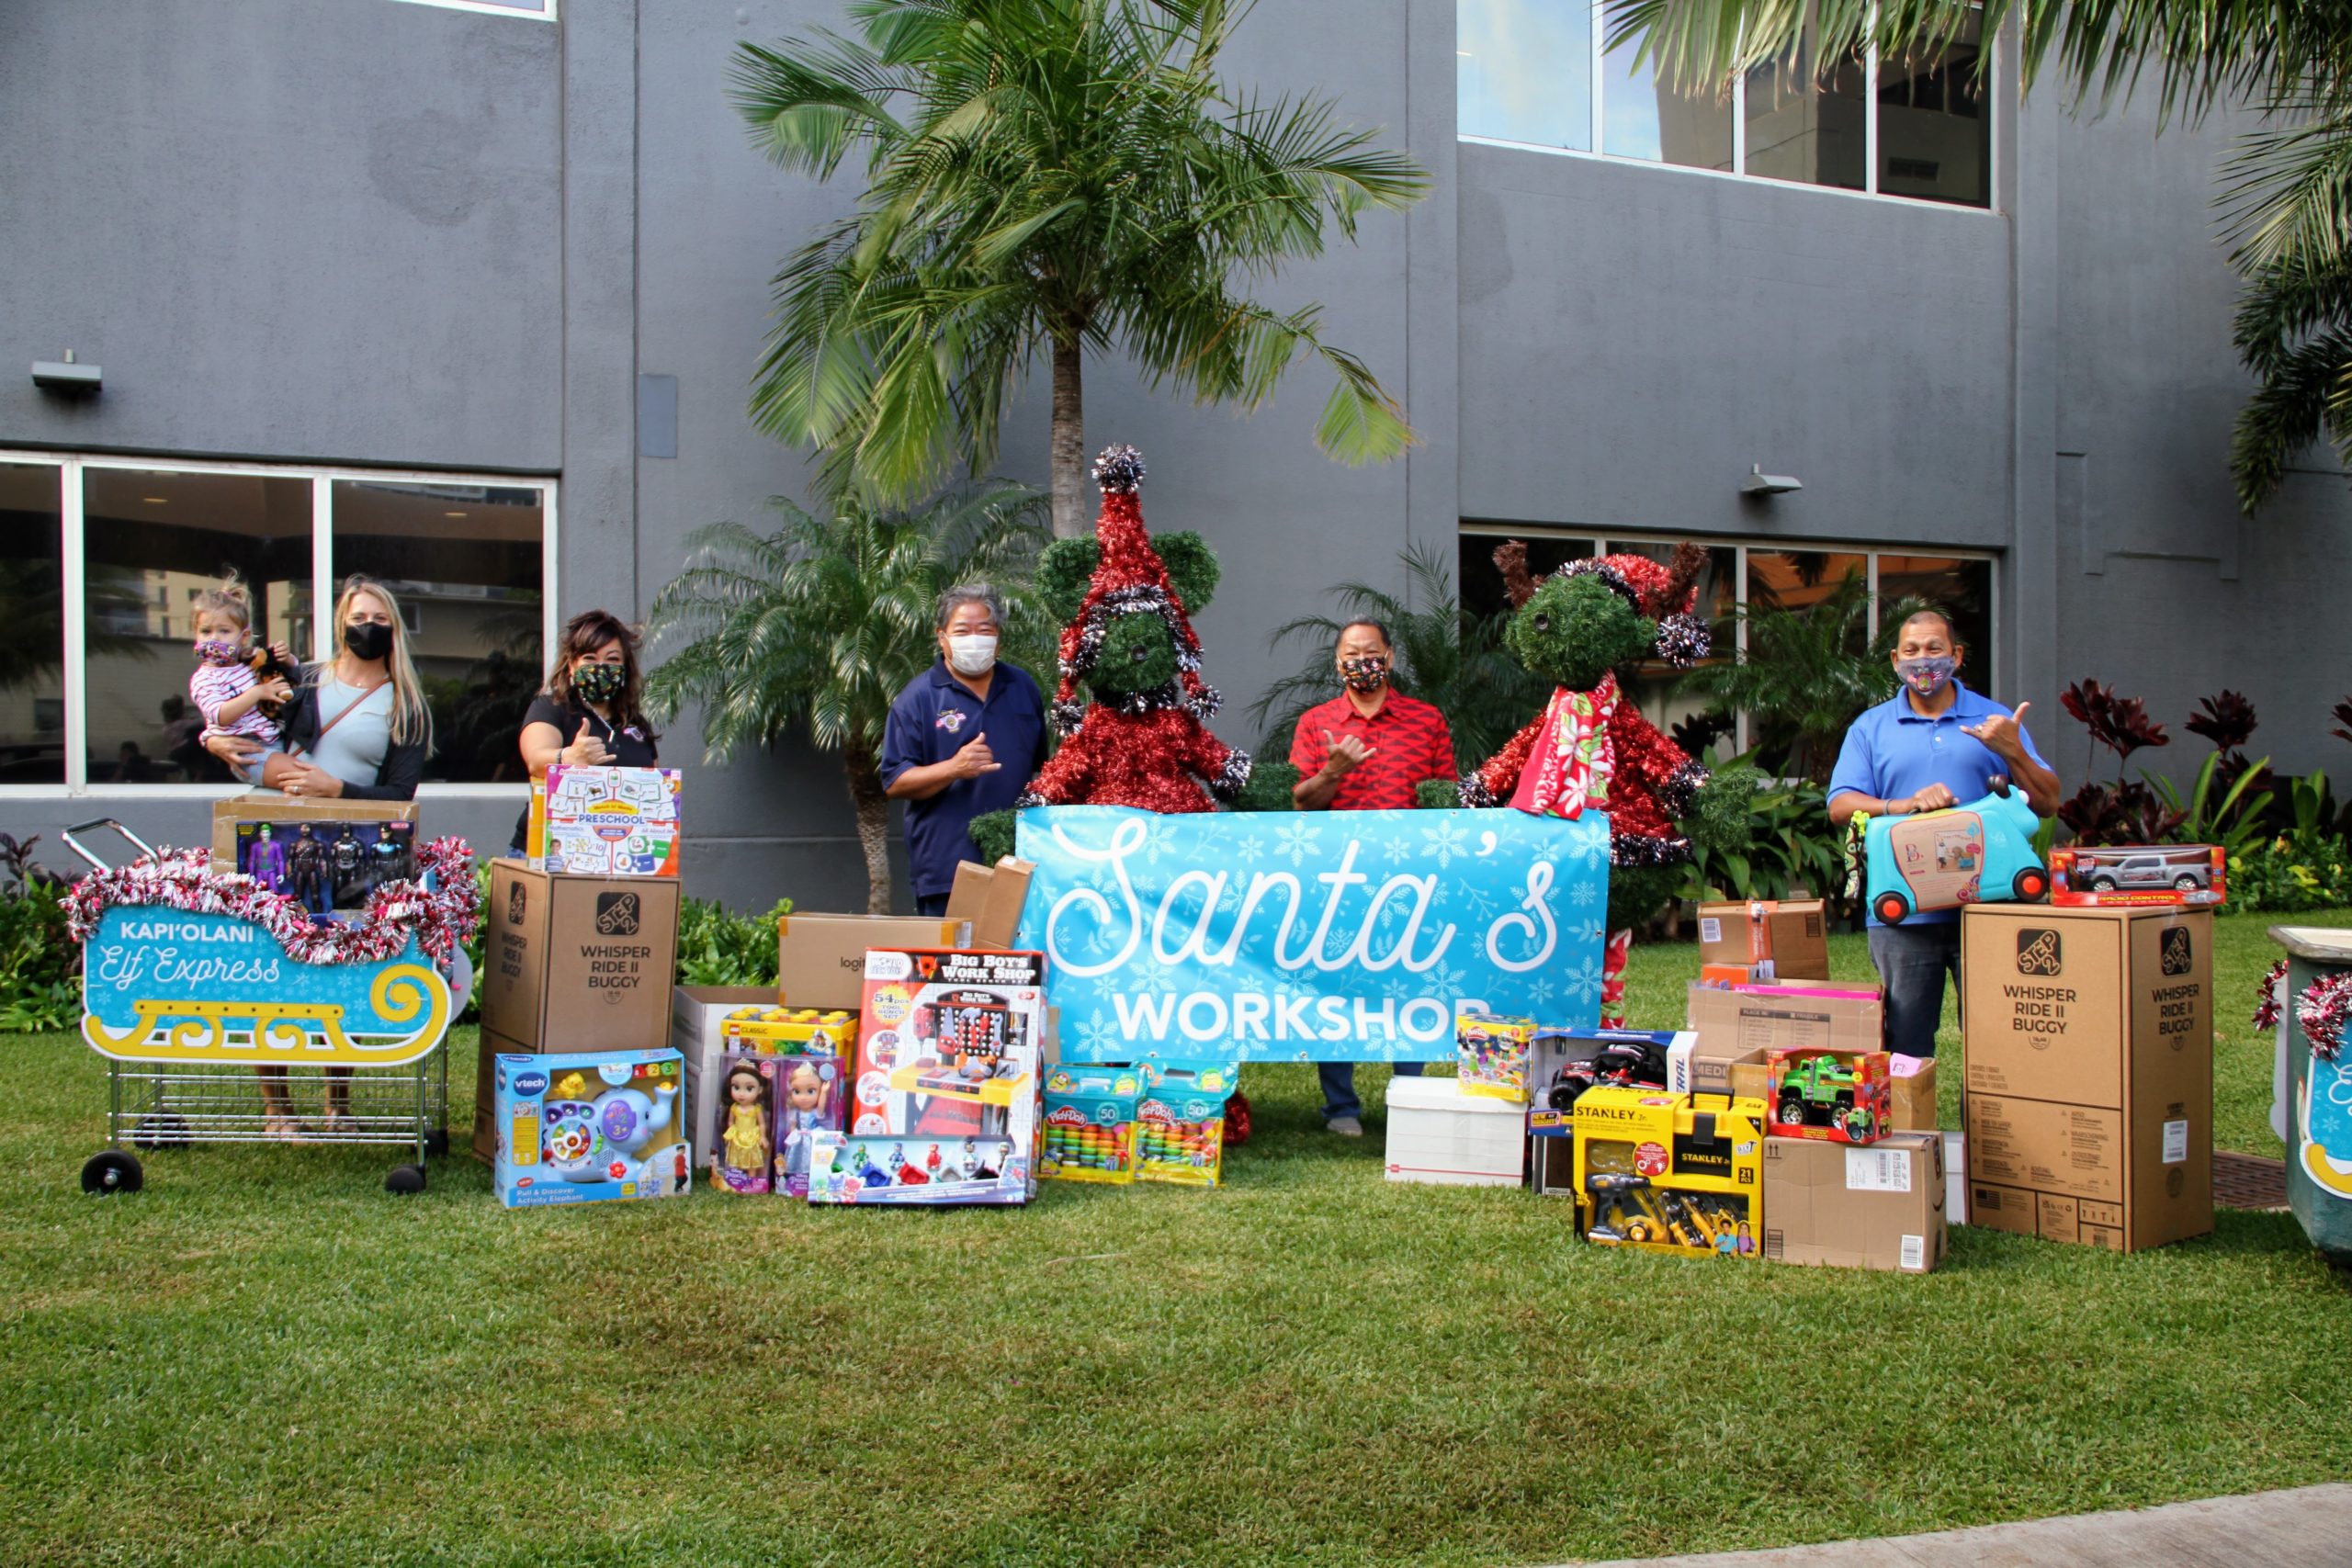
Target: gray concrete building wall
367	230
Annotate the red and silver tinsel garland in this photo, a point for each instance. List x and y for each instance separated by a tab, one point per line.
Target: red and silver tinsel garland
2321	1009
441	918
2266	1010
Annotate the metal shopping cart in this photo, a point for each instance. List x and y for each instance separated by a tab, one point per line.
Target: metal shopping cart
211	997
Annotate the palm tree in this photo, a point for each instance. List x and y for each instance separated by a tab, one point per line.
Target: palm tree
1045	176
822	622
2285	205
1446	655
1806	674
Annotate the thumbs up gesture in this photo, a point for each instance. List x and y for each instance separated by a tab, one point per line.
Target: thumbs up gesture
586	750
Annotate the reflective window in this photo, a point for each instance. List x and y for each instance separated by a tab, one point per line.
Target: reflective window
1524	71
153	541
1960	587
465	563
1935	139
1807	124
1642	118
32	625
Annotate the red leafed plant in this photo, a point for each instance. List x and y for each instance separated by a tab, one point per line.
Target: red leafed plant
2228	721
2127	811
2343	711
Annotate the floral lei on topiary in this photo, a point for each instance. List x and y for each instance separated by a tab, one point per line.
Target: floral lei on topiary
440	918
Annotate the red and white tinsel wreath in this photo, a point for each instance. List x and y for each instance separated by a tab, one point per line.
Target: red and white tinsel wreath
2266	1010
441	917
2321	1009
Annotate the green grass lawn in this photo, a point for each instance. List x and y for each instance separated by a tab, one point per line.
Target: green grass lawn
264	1358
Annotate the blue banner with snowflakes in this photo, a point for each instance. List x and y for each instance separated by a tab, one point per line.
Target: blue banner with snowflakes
1298	936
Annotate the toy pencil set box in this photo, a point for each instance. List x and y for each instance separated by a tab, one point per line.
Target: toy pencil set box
1179	1122
2193	874
791	1031
1493	1055
1090	1124
1832	1097
589	1128
1680	1173
607	821
948	1064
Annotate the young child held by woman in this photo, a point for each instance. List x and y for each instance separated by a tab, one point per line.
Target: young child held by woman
225	688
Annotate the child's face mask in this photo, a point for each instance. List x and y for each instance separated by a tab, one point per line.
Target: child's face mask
212	651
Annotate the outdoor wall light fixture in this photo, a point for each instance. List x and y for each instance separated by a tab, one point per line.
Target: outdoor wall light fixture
1758	482
66	377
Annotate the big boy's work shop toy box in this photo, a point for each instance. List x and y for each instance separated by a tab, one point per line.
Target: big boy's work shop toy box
943	1099
1671	1172
589	1128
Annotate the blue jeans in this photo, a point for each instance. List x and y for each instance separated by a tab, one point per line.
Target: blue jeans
932	905
1912	962
1339	1086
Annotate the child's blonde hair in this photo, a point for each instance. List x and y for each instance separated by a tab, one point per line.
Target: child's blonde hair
229	597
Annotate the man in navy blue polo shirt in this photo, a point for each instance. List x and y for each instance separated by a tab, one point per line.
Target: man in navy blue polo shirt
964	739
1934	743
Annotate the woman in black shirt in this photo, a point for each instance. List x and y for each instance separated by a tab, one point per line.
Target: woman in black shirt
590	715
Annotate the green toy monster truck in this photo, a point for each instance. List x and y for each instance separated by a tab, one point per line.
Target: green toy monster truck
1818	1091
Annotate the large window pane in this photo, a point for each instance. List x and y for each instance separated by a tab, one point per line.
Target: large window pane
1525	70
1935	141
1482	585
1806	124
32	629
1961	589
464	561
1658	688
153	541
1640	118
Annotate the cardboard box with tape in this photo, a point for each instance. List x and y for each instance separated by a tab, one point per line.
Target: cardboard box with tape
1879	1207
1785	939
991	896
2089	1080
820	959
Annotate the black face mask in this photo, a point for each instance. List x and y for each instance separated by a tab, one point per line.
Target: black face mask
369	640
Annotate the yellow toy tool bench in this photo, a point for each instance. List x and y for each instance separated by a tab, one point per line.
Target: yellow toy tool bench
1671	1172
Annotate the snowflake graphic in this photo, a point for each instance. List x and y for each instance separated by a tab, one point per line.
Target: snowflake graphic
1159	839
1587	847
1296	840
1582	979
1097	1036
1249	848
1542	992
1398	847
1151	979
1584	895
1446	844
1289	987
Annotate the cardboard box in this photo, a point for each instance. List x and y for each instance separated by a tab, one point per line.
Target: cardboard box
1830	1096
588	1128
1671	1172
1708	1063
494	1047
1440	1136
1786	939
1911	1093
698	1033
1880	1207
606	821
820	959
1732	1022
2145	874
989	898
1491	1054
578	962
269	806
2089	1080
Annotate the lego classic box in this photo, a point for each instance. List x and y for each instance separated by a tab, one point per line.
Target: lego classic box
2089	1039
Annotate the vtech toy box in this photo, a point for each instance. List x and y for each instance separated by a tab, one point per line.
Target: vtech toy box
589	1128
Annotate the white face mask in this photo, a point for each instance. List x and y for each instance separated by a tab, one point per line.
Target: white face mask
973	655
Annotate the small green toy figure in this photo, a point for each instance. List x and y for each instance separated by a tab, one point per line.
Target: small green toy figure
1578	627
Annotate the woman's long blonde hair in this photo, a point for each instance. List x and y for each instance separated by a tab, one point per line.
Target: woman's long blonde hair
410	718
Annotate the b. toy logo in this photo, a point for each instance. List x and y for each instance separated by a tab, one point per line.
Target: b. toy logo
2177	956
616	914
2174	1181
518	902
2039	952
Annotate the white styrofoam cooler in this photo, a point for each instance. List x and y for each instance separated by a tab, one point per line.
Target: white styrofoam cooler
1438	1134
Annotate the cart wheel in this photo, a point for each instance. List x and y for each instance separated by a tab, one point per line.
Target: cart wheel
112	1171
2031	883
1892	908
405	1179
160	1128
436	1144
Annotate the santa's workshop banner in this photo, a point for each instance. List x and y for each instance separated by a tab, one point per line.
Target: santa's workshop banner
1295	936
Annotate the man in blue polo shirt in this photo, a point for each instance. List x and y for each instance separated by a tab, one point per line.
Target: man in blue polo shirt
964	739
1935	743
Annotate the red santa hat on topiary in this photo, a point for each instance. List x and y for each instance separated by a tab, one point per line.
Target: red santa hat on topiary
1129	577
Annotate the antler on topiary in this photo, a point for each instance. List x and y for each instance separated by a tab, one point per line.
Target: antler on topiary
1510	560
1682	573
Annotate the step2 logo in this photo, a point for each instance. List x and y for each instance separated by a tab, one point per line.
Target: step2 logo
2177	956
518	903
2039	952
616	914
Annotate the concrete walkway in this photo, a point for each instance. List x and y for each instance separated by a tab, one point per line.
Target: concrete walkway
2310	1527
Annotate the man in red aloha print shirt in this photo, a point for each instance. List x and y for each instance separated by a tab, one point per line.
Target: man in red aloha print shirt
1366	749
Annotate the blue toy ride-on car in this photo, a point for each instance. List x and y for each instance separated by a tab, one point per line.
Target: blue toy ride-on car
1980	852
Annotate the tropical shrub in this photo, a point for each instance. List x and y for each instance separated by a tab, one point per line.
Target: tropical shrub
40	963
